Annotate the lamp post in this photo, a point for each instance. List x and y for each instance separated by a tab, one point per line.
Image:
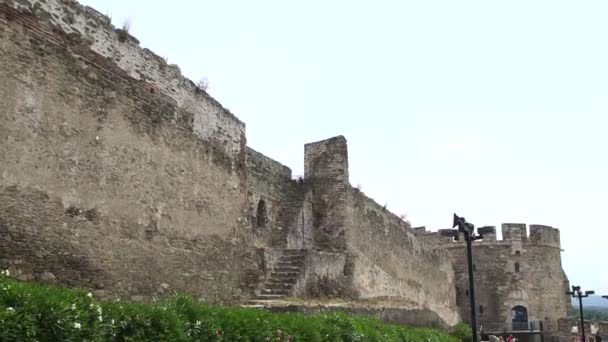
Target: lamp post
469	236
577	293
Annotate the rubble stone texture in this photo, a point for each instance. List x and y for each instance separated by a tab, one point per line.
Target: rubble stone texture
119	175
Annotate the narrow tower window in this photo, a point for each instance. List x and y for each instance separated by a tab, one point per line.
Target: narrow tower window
481	309
261	214
516	267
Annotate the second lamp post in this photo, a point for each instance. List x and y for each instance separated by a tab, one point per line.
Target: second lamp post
577	293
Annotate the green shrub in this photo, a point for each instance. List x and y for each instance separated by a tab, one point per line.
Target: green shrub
462	332
34	312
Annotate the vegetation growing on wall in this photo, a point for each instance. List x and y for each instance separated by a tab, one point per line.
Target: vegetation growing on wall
33	312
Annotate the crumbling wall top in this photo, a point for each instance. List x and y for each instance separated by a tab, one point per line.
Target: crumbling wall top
94	29
327	158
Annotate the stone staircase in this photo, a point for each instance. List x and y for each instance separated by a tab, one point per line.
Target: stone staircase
291	205
284	275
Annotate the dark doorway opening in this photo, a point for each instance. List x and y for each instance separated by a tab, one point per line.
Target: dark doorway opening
519	318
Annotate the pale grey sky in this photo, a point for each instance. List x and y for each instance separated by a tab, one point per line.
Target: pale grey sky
497	111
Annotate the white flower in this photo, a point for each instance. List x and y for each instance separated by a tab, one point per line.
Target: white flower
90	295
112	321
10	309
198	323
99	310
73	307
100	318
77	325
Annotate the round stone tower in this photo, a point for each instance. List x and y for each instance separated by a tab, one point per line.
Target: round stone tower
519	280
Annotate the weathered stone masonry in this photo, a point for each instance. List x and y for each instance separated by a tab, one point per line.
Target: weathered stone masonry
119	175
521	270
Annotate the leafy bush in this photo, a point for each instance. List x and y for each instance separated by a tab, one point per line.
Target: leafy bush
33	312
462	332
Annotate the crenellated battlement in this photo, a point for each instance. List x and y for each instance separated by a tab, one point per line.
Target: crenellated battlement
544	235
512	233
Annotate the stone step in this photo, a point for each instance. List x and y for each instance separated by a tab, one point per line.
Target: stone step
293	251
264	296
283	292
289	279
286	286
286	269
259	302
297	258
283	275
292	257
291	263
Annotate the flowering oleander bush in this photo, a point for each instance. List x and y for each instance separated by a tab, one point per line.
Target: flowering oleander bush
34	312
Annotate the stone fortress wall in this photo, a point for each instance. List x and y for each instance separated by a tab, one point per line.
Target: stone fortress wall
520	270
355	248
119	175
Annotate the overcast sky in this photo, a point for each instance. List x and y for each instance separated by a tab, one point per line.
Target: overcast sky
497	111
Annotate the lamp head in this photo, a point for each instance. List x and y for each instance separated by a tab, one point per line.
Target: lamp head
462	224
457	221
486	230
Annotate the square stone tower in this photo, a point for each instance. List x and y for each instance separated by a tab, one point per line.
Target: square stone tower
326	170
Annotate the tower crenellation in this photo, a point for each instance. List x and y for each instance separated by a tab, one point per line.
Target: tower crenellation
544	235
514	232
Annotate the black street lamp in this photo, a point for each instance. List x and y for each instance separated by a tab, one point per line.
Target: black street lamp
469	236
577	293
